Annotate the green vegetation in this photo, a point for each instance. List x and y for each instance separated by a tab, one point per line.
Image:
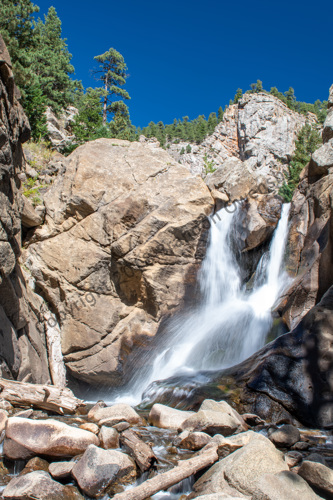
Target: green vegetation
307	142
208	165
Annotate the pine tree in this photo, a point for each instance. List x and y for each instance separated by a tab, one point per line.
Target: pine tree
51	62
238	96
89	119
212	122
16	27
220	114
112	72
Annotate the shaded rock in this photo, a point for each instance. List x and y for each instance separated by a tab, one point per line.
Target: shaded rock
140	451
34	464
283	486
15	451
167	418
38	486
316	457
98	469
293	458
285	436
252	419
114	414
318	476
328	127
122	426
61	470
30	217
109	437
49	437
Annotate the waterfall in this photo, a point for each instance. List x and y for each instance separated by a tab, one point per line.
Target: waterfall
230	323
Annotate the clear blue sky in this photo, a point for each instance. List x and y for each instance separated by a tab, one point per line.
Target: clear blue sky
189	57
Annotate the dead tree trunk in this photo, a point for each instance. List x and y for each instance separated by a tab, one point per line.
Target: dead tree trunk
46	397
184	469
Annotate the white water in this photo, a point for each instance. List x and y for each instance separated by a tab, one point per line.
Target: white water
231	323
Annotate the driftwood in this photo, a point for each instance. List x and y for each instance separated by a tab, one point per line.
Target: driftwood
139	451
46	397
184	469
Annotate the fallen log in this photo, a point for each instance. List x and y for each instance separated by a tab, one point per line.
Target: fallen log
45	397
184	469
140	451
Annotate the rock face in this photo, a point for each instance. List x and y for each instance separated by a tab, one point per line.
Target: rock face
59	128
124	235
260	130
23	330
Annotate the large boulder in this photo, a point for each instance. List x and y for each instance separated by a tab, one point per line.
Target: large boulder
167	418
49	437
283	486
125	232
114	414
318	476
98	468
39	485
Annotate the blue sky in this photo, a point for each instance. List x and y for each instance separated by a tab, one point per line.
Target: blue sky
189	57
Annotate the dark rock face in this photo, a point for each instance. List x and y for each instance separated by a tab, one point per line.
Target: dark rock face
22	341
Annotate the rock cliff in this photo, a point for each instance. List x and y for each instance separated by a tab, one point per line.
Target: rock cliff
25	343
125	231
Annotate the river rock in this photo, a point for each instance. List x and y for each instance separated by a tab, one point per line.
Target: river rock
114	414
49	437
285	436
109	437
318	476
167	418
40	486
223	407
98	468
15	451
34	464
89	426
124	234
222	496
283	486
241	470
193	440
293	458
61	470
212	422
228	445
316	457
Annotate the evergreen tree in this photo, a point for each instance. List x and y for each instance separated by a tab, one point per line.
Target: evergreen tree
112	72
212	122
89	119
34	103
307	142
16	27
51	62
238	96
220	114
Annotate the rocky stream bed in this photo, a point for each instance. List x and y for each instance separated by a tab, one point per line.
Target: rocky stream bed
117	452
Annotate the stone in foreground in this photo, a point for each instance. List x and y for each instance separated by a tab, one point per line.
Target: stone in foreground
285	436
99	468
318	476
49	437
112	415
283	486
167	418
39	485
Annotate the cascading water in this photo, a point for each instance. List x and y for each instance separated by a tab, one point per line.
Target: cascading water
231	323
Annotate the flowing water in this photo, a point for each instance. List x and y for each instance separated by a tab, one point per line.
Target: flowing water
230	323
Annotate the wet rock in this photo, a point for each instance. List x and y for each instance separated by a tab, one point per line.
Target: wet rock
252	419
140	451
283	486
38	485
109	437
61	470
15	451
285	436
49	437
301	446
34	464
98	468
167	418
122	426
193	440
318	476
111	415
